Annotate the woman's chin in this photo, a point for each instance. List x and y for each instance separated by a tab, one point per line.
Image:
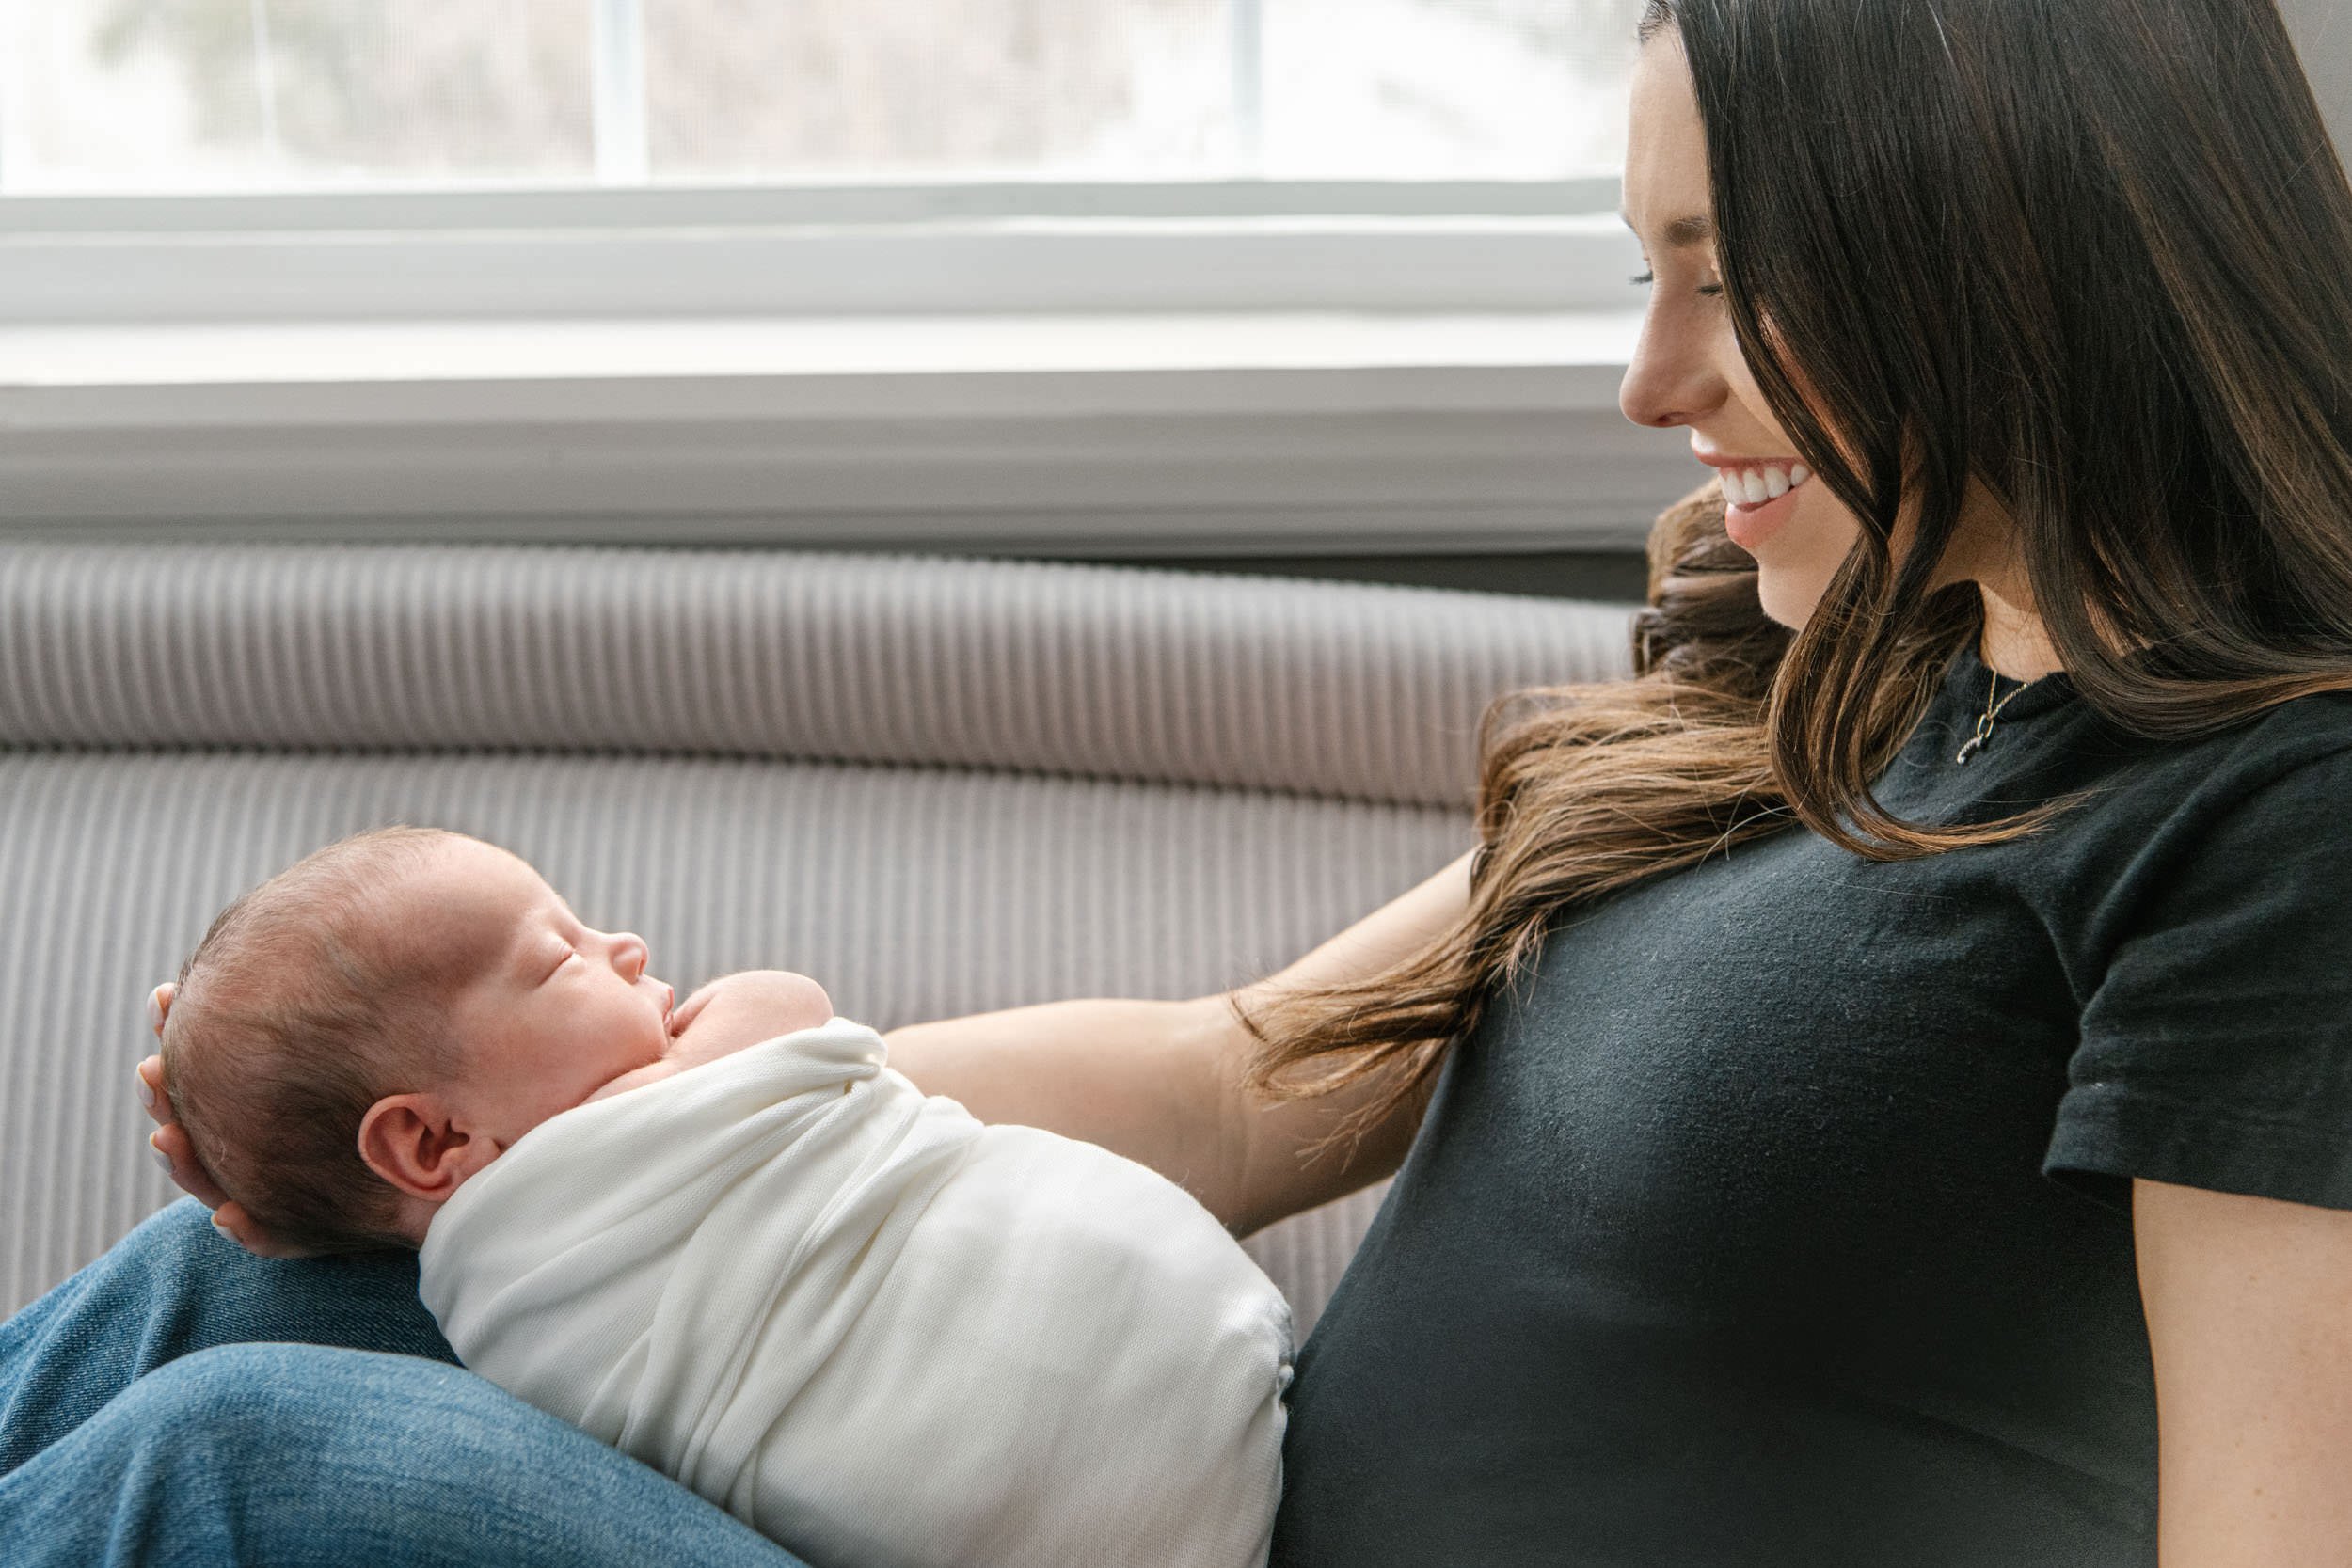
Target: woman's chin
1789	604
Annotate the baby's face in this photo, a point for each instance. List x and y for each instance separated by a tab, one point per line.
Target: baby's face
558	1010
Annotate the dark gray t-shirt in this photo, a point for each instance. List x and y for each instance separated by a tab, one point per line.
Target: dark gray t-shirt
1783	1218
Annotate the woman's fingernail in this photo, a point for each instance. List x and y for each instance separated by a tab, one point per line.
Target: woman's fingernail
147	1090
155	1009
222	1228
161	1158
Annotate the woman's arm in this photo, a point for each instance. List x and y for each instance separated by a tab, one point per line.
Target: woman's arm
1159	1081
2250	1321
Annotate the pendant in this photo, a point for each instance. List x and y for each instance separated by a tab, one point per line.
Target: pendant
1975	743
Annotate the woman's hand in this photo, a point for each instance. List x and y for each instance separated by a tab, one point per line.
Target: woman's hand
171	1146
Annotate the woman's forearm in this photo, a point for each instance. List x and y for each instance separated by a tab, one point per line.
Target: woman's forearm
1148	1079
1160	1081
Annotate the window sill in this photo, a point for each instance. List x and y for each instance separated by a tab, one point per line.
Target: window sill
1200	431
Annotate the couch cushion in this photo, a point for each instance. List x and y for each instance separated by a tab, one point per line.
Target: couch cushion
1335	688
911	891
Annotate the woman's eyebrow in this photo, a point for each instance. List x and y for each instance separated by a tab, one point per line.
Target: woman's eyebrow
1682	232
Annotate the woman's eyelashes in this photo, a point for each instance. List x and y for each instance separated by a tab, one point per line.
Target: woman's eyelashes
1647	278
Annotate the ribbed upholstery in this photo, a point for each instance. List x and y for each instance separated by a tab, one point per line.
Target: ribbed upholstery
1102	865
1366	693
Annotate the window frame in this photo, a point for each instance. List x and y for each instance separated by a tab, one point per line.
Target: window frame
1227	368
1036	248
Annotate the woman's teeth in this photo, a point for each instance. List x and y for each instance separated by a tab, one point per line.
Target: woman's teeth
1753	486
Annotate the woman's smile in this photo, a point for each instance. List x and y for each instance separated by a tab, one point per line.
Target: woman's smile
1759	495
1751	523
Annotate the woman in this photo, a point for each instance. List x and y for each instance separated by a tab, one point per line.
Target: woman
1877	1094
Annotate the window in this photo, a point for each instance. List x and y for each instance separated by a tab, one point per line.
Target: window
244	95
1056	274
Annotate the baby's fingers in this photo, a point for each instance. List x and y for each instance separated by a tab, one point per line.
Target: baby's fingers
683	1014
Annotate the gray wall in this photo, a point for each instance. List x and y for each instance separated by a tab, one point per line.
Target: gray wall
2322	30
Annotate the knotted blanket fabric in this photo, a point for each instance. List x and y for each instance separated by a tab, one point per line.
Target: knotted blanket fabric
873	1328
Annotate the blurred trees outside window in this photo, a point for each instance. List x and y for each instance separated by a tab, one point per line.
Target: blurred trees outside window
245	95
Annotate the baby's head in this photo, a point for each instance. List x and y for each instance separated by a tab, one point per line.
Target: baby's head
359	1034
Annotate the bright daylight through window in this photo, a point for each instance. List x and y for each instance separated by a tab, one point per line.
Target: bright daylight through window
1130	275
190	96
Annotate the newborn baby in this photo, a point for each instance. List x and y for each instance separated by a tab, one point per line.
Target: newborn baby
725	1237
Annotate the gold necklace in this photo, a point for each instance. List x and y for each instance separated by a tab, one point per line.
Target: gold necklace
1975	743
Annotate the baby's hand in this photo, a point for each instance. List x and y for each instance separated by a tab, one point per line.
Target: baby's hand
726	1014
741	1010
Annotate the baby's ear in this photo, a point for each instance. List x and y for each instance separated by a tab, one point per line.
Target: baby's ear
411	1141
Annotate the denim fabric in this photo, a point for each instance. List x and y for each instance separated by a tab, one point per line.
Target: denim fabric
175	1286
137	1424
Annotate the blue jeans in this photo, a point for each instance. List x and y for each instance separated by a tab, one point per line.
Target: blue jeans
149	1414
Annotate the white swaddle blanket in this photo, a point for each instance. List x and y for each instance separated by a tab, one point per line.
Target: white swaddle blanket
873	1328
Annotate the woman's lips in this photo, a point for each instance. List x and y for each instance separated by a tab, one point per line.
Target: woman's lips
1751	526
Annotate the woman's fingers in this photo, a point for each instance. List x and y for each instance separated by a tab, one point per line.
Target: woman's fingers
171	1146
169	1140
178	1156
152	1093
231	1221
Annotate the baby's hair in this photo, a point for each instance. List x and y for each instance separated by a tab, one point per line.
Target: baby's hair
300	1009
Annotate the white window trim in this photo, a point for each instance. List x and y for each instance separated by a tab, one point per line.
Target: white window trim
848	249
488	205
1238	367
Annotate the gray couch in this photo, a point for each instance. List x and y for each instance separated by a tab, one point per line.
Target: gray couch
937	785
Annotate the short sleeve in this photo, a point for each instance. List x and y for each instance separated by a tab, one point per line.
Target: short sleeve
2217	1049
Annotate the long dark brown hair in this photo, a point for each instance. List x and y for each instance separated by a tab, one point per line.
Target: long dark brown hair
2098	258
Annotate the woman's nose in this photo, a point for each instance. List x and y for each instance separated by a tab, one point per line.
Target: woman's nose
1670	381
